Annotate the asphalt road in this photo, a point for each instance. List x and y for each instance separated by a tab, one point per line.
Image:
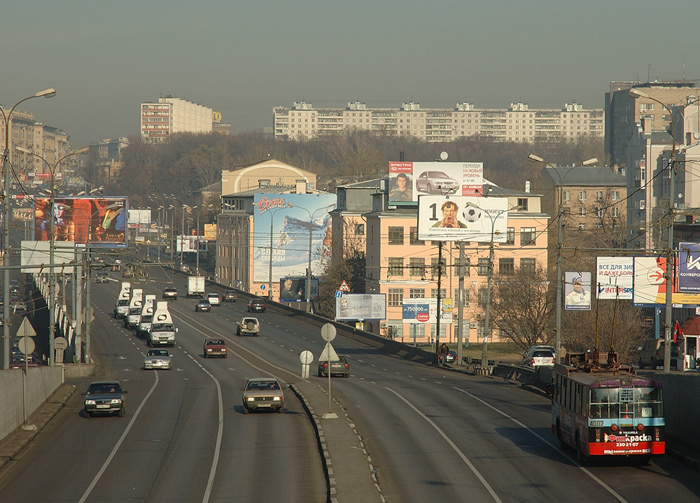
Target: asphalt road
431	434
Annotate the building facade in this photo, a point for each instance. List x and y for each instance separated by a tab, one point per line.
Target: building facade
518	123
170	115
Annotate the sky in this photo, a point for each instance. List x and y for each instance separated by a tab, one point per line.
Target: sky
243	58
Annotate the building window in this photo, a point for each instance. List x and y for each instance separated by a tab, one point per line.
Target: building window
359	229
527	236
395	235
527	265
599	212
395	266
482	269
598	195
455	267
522	203
615	195
416	293
482	297
414	237
395	297
581	195
582	211
506	266
566	210
434	269
417	267
566	196
510	237
615	212
465	293
582	227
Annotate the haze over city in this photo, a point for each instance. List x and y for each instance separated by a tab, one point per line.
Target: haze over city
242	59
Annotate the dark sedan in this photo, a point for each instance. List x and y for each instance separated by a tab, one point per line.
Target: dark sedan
105	397
203	306
257	305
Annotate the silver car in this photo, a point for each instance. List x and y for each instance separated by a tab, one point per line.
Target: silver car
157	359
436	182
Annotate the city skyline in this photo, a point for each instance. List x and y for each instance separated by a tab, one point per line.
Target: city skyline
243	60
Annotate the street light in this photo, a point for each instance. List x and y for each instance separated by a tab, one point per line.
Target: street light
52	240
559	299
308	270
670	256
46	93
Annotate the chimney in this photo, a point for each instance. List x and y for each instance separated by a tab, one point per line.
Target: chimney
646	125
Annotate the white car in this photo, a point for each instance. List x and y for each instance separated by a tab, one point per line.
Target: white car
214	299
157	359
539	356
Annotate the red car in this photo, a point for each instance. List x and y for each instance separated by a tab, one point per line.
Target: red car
214	346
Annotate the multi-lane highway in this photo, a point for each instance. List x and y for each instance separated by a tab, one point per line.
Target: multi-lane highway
432	435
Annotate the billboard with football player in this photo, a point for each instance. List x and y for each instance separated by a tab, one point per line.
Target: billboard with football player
456	218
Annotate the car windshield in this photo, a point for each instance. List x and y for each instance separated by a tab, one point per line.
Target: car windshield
99	388
162	326
158	352
542	354
123	302
146	318
215	342
263	385
438	174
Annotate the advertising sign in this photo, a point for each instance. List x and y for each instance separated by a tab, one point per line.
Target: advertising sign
139	219
457	218
419	310
650	285
689	267
186	244
101	220
294	289
283	224
210	232
614	278
360	306
408	180
577	291
36	253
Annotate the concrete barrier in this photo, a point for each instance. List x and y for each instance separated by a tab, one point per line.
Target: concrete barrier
41	382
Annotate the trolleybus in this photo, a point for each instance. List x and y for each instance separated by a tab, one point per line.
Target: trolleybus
603	408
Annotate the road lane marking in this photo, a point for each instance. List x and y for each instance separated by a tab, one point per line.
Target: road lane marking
547	442
454	447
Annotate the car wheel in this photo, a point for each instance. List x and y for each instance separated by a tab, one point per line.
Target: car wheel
204	355
88	414
281	410
245	410
121	412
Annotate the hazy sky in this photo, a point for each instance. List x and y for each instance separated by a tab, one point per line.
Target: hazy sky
243	58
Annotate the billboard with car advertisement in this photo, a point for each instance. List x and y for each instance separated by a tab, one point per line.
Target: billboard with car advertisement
408	180
283	224
457	218
101	220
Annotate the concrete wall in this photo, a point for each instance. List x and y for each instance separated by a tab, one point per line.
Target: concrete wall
41	382
681	405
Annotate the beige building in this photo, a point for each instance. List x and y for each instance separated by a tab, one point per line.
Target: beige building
170	115
518	123
270	173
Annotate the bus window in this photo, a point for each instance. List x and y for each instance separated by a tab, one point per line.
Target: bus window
603	402
648	402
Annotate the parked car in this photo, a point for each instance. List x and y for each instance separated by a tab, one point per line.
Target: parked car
263	393
105	397
450	357
540	356
214	299
170	293
214	346
202	306
157	359
230	296
651	354
436	182
257	305
248	326
341	367
102	277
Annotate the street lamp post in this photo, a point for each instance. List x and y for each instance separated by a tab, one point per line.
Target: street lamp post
559	296
308	270
46	93
52	242
670	255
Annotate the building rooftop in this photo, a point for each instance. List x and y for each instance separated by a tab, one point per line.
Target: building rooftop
587	175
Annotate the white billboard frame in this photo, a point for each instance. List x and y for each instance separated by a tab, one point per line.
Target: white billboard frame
459	178
37	253
614	278
478	219
360	306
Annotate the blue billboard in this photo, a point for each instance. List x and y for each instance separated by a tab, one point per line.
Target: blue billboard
283	225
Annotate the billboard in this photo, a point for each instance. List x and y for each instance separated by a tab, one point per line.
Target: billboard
294	289
577	291
689	267
37	253
458	218
210	232
139	219
283	224
650	284
101	220
614	278
360	306
408	180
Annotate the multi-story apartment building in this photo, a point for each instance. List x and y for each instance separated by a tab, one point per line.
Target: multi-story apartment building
401	266
47	141
170	115
105	159
624	111
518	123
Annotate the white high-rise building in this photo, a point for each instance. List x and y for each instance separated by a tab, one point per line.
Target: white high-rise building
171	115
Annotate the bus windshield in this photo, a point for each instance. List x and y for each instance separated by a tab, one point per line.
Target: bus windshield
625	402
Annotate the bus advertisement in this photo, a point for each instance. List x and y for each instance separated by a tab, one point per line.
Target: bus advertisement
602	409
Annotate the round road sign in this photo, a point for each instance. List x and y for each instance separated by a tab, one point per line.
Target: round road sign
60	343
306	357
328	332
26	345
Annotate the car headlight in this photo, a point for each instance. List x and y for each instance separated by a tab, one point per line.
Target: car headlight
89	402
208	349
277	399
116	400
249	399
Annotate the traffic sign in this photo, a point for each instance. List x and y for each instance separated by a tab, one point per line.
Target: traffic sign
26	329
328	354
338	294
306	357
344	287
26	345
60	343
328	332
